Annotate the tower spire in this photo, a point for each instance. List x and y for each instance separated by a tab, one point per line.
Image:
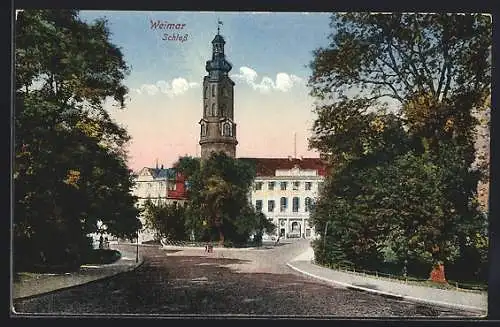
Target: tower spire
219	23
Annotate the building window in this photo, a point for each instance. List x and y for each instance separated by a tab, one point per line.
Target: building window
203	130
214	110
308	186
296	186
283	204
213	90
270	205
283	186
295	204
270	186
258	205
308	204
258	186
205	94
226	130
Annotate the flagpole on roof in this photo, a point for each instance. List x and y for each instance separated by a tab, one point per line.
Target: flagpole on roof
219	23
295	145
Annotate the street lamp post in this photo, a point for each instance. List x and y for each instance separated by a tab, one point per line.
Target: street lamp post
324	236
137	248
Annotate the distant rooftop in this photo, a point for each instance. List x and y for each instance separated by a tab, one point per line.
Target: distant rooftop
162	172
268	166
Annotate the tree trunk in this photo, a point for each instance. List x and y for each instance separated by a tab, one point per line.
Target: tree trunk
221	237
437	274
219	229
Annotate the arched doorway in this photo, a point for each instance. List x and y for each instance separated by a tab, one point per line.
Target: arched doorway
295	229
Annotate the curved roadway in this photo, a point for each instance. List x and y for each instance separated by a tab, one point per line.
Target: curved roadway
235	282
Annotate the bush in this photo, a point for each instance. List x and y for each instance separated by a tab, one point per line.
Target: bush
47	254
102	256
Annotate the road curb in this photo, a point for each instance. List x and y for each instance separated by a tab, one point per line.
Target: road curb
175	247
392	295
101	278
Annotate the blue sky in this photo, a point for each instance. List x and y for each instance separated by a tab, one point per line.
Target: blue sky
269	53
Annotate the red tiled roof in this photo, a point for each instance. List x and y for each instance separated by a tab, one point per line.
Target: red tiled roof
268	166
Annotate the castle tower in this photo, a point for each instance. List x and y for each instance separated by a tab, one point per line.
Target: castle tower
218	130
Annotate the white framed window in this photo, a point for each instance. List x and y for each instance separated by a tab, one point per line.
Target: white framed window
258	186
203	129
307	204
270	205
283	204
283	186
226	129
296	185
307	186
258	205
270	186
295	204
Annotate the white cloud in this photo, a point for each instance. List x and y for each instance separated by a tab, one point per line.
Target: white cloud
283	82
173	88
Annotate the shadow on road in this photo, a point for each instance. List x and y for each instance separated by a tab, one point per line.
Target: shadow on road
204	285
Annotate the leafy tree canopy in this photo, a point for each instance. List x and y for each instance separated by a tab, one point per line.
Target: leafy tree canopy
396	101
70	167
218	199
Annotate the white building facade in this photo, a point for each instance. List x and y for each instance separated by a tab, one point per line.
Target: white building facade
158	185
151	183
287	194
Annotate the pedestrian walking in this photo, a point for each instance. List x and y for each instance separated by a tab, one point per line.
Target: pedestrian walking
101	242
278	240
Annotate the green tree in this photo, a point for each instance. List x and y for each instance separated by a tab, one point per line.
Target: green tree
70	166
440	60
349	201
218	205
167	219
262	225
434	70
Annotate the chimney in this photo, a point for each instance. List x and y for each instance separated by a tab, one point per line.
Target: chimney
162	166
